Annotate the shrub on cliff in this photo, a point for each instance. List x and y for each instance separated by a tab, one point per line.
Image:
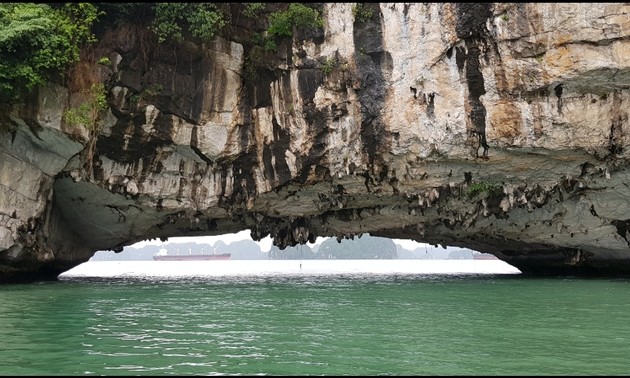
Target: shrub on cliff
38	42
281	24
201	20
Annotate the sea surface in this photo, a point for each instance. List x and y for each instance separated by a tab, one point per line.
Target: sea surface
332	317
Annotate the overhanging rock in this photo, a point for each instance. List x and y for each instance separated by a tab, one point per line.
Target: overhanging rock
499	127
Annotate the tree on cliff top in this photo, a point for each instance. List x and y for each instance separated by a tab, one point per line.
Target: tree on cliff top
41	42
38	42
200	20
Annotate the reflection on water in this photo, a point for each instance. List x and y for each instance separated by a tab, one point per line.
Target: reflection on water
180	269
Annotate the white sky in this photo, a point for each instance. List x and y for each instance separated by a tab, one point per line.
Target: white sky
265	244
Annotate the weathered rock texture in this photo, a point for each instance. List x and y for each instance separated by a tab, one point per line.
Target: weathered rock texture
499	127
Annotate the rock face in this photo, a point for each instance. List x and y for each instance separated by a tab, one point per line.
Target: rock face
498	127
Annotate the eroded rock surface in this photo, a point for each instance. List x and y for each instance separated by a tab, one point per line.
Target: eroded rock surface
498	127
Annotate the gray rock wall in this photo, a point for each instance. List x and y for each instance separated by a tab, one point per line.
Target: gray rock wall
499	127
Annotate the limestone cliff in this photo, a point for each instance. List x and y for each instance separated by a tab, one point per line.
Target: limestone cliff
499	127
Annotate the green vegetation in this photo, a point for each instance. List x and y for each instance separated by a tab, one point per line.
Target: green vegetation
281	23
105	61
479	187
328	65
88	113
253	10
362	13
43	42
202	20
120	13
259	57
266	43
38	42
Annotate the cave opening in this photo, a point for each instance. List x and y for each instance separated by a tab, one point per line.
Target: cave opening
237	255
240	246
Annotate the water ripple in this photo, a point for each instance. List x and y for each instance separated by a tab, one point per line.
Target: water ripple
338	324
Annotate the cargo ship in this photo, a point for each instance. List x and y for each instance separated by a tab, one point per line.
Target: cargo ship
484	256
162	256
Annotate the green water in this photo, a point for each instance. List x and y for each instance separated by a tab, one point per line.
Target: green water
336	325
